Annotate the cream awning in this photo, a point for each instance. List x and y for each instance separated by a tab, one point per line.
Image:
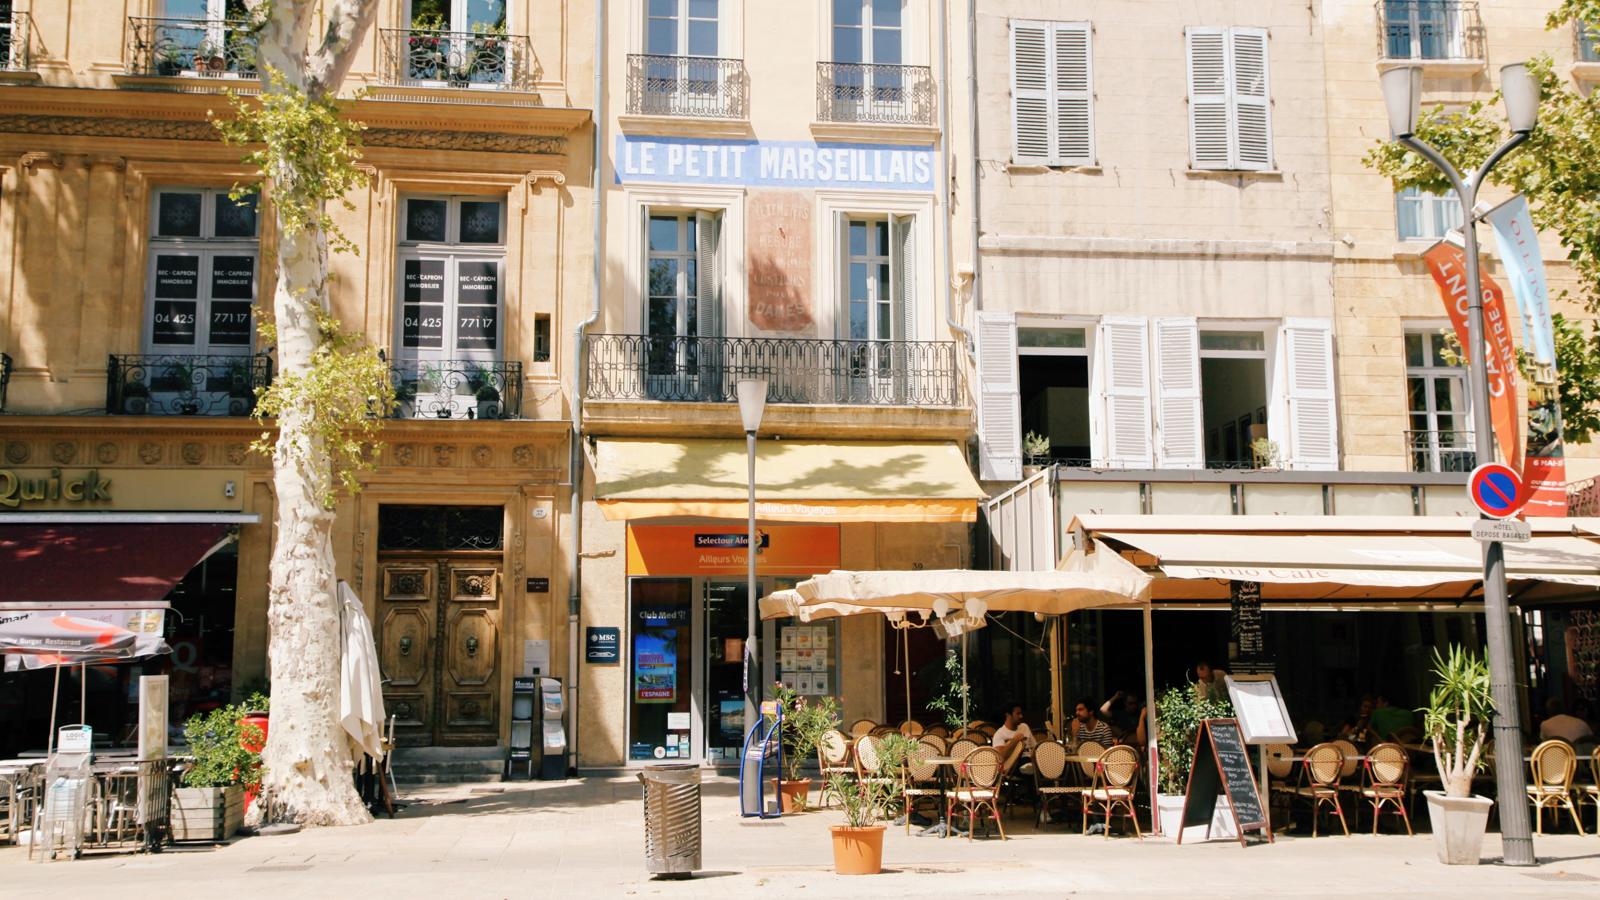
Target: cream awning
1051	593
796	481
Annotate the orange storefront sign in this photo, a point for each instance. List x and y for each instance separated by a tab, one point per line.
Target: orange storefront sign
721	549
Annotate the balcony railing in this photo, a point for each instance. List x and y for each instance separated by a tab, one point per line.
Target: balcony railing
200	48
179	385
456	58
704	370
687	86
1587	39
1583	498
1441	451
861	92
5	378
457	389
1429	29
15	42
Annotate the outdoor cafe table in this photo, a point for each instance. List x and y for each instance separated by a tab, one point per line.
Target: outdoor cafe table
944	763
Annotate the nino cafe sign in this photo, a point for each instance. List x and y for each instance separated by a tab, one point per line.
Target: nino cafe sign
14	488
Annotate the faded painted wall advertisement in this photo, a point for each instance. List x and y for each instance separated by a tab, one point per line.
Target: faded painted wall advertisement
778	237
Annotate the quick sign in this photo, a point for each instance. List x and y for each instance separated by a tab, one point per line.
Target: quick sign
14	489
602	646
802	164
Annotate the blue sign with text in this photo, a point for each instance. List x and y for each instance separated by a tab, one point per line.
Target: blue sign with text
800	164
603	645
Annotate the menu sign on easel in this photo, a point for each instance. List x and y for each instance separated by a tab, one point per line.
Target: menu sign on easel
1258	705
1222	764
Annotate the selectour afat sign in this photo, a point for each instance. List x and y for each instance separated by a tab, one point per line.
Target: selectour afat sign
798	164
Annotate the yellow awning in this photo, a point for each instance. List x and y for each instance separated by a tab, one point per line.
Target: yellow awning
796	481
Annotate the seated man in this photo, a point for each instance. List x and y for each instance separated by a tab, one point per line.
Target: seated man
1386	719
1557	724
1014	736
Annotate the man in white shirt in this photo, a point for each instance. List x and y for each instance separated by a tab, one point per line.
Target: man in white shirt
1014	736
1557	724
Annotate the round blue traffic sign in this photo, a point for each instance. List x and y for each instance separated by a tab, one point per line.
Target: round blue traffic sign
1495	489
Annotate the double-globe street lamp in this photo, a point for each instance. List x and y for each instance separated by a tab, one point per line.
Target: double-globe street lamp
1402	95
752	405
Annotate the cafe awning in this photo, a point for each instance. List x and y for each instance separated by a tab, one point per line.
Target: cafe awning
120	559
796	481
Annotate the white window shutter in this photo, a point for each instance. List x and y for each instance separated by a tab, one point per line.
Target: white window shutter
1252	100
1030	92
999	398
1313	419
708	274
841	243
1209	110
1179	421
1074	94
1125	391
903	267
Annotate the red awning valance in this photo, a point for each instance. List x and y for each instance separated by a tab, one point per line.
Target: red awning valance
100	563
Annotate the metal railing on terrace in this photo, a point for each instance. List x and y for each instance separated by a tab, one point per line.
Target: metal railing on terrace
16	34
170	384
457	389
864	92
700	86
704	370
412	56
197	48
1429	29
1441	451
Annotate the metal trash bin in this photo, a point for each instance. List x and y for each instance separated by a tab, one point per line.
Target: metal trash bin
671	820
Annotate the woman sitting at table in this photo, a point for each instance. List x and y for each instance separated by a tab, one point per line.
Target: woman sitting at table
1088	726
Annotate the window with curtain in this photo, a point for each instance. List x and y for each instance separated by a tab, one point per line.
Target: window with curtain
1419	215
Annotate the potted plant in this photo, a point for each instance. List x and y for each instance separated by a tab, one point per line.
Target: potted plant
169	61
488	402
858	843
804	724
208	58
1265	453
210	805
1179	712
135	398
1458	711
1035	453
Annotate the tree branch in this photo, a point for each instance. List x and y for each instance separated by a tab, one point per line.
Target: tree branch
326	67
282	29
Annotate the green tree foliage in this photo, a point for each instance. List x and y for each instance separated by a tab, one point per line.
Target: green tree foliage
216	741
1179	712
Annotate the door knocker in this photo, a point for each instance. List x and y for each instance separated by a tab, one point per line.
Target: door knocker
472	646
405	646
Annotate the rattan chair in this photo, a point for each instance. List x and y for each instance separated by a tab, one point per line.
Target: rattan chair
1350	771
919	777
869	763
862	727
960	747
833	758
939	730
977	787
911	728
1089	751
1049	770
1116	775
1280	766
1319	782
1591	791
1554	763
935	741
1386	767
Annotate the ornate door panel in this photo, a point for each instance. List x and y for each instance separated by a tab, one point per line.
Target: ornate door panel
407	623
469	621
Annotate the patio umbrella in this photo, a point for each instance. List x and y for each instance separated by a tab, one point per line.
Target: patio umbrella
64	634
360	682
787	605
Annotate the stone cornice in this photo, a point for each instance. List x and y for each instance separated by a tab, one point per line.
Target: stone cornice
170	427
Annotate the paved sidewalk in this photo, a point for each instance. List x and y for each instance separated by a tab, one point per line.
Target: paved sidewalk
584	839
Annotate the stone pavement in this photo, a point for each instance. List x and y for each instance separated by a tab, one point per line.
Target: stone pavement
584	839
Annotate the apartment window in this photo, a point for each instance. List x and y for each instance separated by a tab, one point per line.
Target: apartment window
541	338
876	277
1431	29
682	28
1588	43
452	265
1439	436
682	303
1053	373
458	15
1233	395
867	31
1052	94
1420	215
1230	99
201	280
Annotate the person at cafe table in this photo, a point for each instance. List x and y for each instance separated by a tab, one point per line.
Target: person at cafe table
1088	726
1387	718
1014	736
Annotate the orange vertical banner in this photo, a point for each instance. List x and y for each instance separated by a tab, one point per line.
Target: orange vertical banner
1447	263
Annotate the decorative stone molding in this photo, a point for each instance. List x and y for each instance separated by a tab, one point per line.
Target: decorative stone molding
482	455
473	141
360	566
150	453
237	454
194	454
37	158
522	455
444	454
107	453
405	454
64	452
115	162
17	453
179	130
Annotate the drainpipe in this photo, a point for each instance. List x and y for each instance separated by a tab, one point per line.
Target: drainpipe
579	345
972	124
944	180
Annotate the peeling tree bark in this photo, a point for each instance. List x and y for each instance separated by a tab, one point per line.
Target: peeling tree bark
308	758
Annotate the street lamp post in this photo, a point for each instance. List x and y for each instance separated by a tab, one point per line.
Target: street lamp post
752	404
1402	95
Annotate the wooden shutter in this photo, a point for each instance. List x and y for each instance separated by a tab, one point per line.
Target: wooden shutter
999	398
1178	410
708	273
1074	94
1252	100
1209	144
1030	92
1313	420
903	267
841	241
1125	391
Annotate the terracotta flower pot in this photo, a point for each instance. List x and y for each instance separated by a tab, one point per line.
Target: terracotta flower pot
857	851
792	794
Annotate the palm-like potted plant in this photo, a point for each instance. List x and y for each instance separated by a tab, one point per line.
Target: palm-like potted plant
804	724
858	843
1457	714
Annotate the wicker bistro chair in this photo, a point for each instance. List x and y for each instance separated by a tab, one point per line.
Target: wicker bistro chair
960	747
833	758
1319	782
1116	776
935	741
1386	768
939	730
1350	770
862	727
1280	766
919	779
1591	791
869	765
1090	752
1049	769
911	728
977	787
1554	763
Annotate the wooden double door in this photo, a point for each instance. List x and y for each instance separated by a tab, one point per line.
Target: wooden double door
439	644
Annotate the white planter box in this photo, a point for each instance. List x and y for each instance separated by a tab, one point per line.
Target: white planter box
1458	826
1169	808
207	814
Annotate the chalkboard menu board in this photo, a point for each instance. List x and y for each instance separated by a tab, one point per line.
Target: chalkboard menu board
1222	764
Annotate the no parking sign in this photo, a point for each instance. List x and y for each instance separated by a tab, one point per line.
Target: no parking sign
1495	489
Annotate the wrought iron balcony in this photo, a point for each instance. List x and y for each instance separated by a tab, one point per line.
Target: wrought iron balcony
862	92
457	389
1441	451
410	56
180	385
5	378
700	86
703	370
15	41
1429	29
201	48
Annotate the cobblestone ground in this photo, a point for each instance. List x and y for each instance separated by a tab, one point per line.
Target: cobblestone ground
585	839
